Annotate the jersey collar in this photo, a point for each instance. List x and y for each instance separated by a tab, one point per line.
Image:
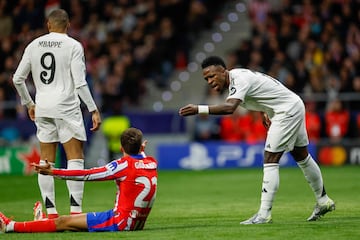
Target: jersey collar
137	156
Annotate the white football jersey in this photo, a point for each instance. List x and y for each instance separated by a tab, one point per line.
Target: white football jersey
260	92
57	64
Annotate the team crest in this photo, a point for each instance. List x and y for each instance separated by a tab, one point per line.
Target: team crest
112	165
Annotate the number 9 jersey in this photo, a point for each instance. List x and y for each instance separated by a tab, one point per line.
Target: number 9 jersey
57	65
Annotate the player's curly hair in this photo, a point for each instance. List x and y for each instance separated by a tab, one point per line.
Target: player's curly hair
213	61
131	140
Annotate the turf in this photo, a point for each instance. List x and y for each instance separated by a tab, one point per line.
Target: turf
208	205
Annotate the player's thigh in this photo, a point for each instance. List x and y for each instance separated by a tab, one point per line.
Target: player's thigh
302	138
283	132
72	135
46	130
71	126
48	137
298	117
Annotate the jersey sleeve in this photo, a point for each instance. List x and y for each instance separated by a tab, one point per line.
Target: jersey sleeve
116	169
78	68
85	95
20	76
239	85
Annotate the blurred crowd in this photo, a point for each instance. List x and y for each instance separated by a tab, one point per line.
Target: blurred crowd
312	47
126	43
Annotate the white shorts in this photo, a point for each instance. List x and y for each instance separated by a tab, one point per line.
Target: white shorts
60	130
287	130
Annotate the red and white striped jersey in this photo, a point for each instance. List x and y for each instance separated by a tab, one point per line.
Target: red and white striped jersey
136	180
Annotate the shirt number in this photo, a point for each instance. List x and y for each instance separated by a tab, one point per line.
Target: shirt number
48	63
139	201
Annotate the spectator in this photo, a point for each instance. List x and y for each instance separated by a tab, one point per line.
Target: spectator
113	32
312	121
163	57
355	105
337	120
6	23
233	127
258	11
206	128
7	96
243	125
256	131
196	19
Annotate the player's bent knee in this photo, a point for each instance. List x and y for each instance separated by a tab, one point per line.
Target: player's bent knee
270	157
299	153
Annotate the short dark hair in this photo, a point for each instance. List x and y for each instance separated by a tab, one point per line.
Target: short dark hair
59	18
213	61
131	140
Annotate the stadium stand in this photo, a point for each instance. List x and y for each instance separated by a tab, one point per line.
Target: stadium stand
127	44
312	47
134	47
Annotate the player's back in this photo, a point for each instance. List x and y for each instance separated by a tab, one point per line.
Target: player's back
57	67
138	189
261	92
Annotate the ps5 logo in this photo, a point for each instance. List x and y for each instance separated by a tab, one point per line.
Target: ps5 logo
203	156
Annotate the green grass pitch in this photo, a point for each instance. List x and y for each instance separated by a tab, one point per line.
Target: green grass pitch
208	205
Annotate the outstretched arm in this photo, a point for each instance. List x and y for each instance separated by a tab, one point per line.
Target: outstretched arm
110	171
220	109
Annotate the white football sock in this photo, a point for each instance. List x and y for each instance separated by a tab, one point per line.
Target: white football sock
10	227
76	188
269	188
47	189
313	176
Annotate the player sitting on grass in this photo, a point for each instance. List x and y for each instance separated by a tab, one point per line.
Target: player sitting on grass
136	178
